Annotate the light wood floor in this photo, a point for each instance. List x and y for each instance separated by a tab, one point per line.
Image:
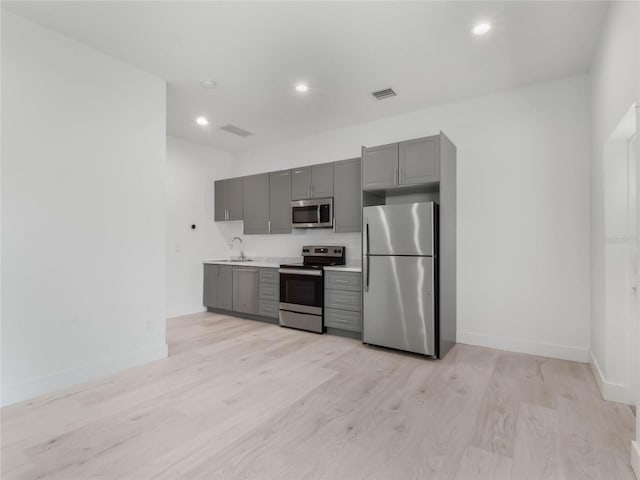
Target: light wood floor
242	399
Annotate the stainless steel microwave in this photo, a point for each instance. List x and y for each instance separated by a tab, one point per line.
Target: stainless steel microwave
317	212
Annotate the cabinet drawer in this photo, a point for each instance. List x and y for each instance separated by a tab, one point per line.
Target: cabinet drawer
269	308
269	291
342	300
343	280
342	319
269	275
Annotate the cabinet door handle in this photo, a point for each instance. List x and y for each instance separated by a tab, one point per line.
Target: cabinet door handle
269	226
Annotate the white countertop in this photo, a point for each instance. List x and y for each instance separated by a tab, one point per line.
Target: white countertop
275	262
349	267
267	262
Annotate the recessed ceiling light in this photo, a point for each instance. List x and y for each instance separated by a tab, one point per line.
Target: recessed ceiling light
481	28
301	87
202	121
208	84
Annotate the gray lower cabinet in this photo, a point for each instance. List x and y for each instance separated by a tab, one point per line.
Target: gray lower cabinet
269	292
248	290
342	319
210	286
280	202
343	300
256	204
419	161
334	280
229	200
347	210
380	167
245	290
315	181
218	286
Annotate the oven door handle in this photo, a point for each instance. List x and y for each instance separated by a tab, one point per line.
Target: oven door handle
295	271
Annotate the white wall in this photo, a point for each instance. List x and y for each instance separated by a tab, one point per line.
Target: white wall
191	171
523	199
83	212
615	86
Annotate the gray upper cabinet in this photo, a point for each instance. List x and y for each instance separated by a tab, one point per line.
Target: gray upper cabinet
256	204
419	161
301	183
346	196
218	286
228	199
322	180
221	200
280	202
312	182
235	198
380	167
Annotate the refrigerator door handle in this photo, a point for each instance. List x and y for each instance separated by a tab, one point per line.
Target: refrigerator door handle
368	258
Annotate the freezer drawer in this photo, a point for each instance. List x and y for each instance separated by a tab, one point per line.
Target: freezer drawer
399	303
405	229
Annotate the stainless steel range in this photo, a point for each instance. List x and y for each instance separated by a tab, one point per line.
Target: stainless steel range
302	288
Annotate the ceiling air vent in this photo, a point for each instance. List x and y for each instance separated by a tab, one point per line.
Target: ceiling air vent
382	94
236	130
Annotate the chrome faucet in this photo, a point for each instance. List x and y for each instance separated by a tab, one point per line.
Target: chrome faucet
242	256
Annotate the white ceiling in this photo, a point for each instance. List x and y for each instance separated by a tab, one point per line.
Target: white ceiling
258	51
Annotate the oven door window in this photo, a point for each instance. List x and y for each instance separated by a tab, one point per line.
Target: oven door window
301	289
305	214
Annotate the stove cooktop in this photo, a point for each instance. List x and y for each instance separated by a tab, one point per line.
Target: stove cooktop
312	266
316	257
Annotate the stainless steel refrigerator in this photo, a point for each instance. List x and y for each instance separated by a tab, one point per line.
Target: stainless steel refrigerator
400	276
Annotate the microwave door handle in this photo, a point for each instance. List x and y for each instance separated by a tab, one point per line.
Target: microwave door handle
319	217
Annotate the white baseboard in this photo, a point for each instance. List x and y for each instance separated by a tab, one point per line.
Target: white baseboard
635	458
614	392
39	386
181	312
563	352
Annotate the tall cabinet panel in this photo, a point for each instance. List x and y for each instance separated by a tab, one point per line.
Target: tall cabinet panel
380	167
322	180
346	196
280	201
301	183
419	161
256	204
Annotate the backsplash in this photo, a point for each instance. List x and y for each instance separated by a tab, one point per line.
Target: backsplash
288	245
